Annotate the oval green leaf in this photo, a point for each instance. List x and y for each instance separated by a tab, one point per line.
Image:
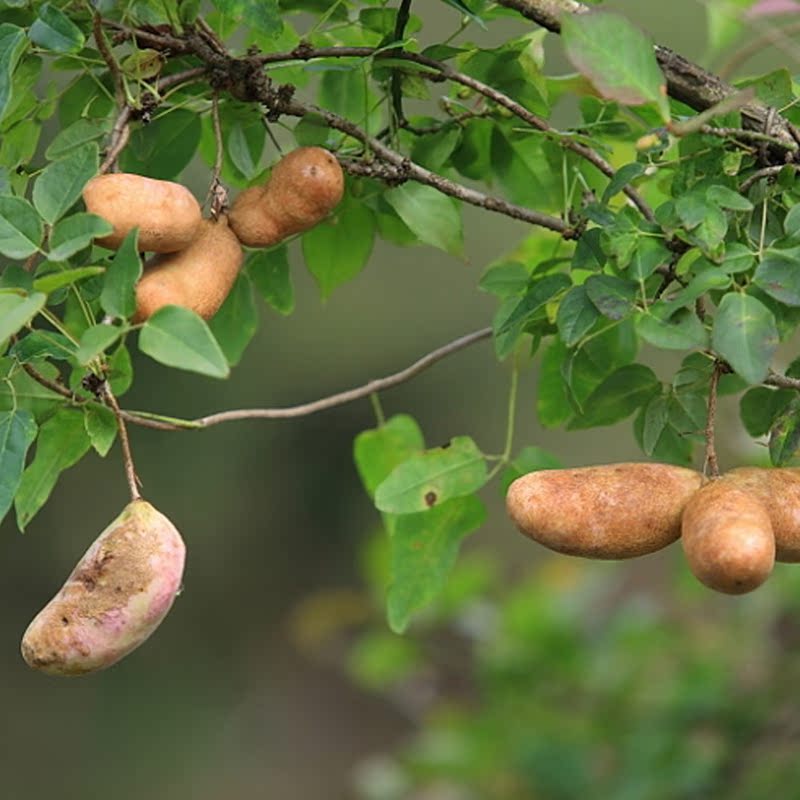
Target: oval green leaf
745	335
617	57
177	337
433	477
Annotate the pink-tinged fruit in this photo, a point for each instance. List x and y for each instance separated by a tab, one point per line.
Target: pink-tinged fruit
116	596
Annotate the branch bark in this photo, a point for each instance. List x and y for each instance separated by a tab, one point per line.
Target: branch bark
687	82
304	409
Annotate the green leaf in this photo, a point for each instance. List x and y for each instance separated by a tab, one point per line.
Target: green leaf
683	331
61	182
177	337
21	391
617	57
622	177
62	442
238	149
432	216
433	477
96	340
118	297
656	419
703	281
338	249
17	433
784	438
529	459
17	311
463	9
552	403
20	227
269	271
537	296
54	30
745	335
760	406
142	64
576	315
79	133
738	258
263	16
724	197
236	322
16	277
12	45
75	232
42	344
378	451
791	222
163	148
65	277
505	280
424	548
613	297
101	427
648	256
618	396
120	371
778	275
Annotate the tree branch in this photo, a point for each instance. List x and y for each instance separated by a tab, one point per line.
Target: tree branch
687	82
412	171
445	72
782	381
53	386
325	403
396	88
712	463
108	56
127	456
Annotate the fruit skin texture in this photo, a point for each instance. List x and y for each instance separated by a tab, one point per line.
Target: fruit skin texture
199	277
778	490
610	511
167	213
114	599
303	188
727	537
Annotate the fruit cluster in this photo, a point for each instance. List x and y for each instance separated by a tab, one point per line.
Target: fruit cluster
196	260
732	528
126	582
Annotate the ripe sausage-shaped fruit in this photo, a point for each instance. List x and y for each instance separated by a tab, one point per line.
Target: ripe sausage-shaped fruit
114	599
779	493
199	277
304	187
611	511
727	537
167	213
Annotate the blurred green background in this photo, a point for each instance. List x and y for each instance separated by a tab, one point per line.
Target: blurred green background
275	676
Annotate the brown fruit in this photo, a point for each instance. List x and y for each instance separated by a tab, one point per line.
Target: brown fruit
778	490
727	537
167	213
116	596
609	511
303	188
198	277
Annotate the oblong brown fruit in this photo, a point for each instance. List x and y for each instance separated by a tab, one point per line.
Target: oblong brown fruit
778	490
303	188
167	213
610	511
115	598
199	277
727	537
